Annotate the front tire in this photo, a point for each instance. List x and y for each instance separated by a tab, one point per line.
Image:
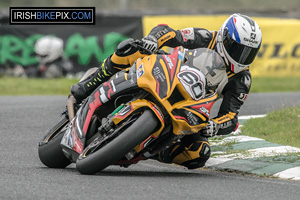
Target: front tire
136	133
50	151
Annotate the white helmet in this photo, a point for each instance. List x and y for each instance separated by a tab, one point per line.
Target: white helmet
49	48
239	40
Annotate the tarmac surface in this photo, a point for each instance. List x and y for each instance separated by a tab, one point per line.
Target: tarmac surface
24	121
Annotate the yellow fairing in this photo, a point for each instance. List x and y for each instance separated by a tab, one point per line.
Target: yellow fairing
158	75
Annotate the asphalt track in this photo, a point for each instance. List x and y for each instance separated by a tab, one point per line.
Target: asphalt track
24	120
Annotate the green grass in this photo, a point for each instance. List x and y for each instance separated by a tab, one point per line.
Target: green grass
280	127
37	86
266	84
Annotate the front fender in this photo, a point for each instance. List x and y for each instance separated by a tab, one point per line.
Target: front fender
137	106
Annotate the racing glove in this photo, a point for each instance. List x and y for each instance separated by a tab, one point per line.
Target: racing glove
210	130
150	43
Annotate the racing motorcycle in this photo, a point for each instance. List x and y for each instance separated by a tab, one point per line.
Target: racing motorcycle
137	113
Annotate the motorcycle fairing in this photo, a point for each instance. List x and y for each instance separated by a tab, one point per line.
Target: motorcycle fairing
160	78
178	88
71	143
119	84
204	107
197	113
160	69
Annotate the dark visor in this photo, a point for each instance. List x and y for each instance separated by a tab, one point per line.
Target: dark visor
239	52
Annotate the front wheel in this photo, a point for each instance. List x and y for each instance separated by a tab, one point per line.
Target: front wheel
91	162
50	151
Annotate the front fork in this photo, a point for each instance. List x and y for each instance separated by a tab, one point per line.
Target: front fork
71	106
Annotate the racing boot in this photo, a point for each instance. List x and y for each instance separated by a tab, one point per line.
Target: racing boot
85	87
192	152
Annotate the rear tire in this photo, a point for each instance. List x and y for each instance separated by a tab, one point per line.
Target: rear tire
50	151
136	133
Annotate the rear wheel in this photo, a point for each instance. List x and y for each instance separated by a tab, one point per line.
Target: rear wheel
94	159
50	151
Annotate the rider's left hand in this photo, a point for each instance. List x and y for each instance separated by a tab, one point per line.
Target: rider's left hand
150	43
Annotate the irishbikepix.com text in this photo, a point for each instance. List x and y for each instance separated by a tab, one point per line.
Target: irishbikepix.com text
57	15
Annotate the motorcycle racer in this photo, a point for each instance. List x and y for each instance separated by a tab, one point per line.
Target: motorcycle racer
237	41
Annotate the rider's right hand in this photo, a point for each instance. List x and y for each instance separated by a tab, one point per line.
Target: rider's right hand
210	130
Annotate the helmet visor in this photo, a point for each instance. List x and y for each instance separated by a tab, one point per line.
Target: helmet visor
238	52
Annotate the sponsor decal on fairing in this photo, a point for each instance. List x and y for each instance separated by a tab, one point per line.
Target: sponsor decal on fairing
140	71
125	110
103	96
191	81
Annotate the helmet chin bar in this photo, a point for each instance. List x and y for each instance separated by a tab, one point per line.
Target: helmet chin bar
221	52
232	65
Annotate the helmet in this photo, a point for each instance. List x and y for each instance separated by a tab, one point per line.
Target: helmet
49	48
239	40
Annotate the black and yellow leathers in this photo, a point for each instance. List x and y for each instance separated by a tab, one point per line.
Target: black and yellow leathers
234	92
123	58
